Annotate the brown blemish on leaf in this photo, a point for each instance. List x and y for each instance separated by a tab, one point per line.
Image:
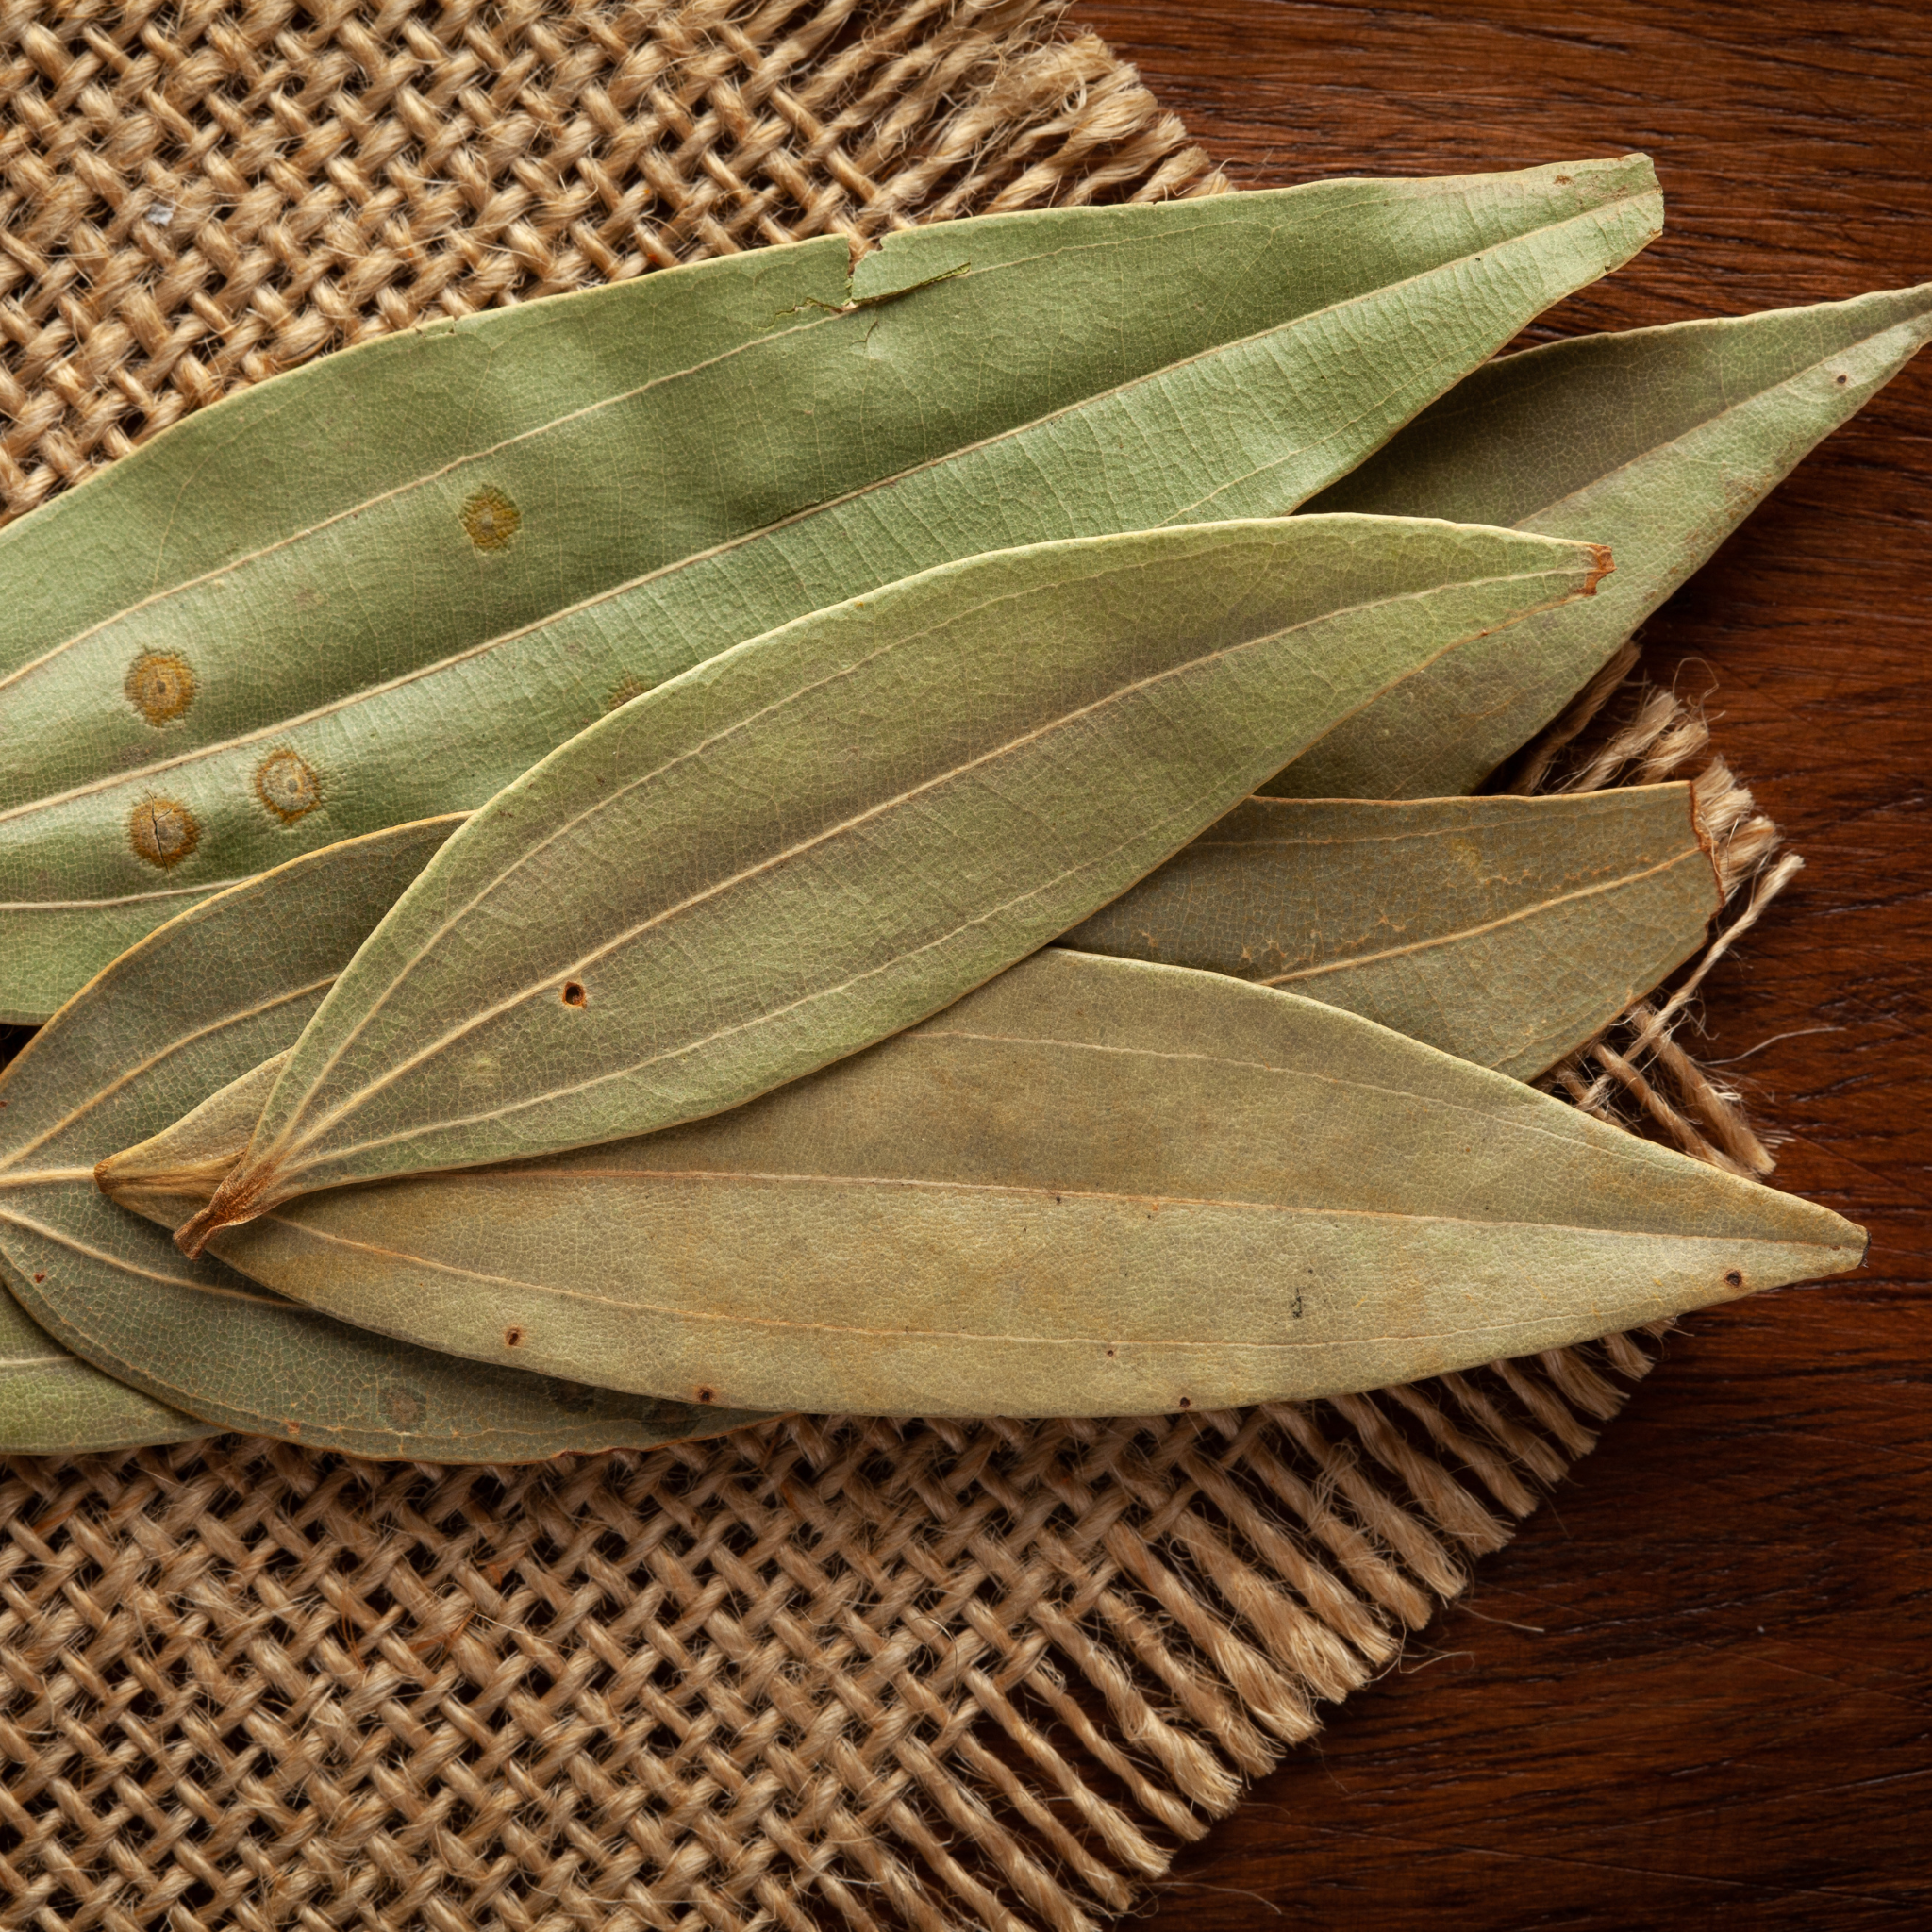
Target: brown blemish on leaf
160	685
162	831
404	1406
1734	1279
708	1395
1601	565
490	519
512	1338
286	782
573	993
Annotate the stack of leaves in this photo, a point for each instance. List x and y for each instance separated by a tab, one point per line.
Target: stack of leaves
904	837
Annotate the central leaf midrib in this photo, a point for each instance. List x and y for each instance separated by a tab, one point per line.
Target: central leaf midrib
128	1074
738	1320
1495	925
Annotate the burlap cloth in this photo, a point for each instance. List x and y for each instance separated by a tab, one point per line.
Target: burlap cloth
820	1672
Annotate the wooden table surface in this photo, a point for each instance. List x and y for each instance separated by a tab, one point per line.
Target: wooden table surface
1698	1687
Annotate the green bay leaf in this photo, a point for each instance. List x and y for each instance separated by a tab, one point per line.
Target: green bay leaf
1094	1186
1657	442
827	833
195	1004
1506	931
378	587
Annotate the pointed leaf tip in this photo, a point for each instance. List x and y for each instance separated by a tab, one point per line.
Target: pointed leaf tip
1093	1187
1659	442
1440	917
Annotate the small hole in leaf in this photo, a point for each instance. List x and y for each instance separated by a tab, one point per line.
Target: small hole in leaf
1734	1279
708	1395
1187	1402
574	994
512	1338
1843	380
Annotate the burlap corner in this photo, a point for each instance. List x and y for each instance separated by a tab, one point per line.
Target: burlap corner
870	1672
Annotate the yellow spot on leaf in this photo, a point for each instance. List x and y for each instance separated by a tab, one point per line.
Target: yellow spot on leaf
286	783
491	520
162	831
159	685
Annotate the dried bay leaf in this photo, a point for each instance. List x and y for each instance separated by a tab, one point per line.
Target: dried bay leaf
378	587
827	834
1094	1186
173	1174
1659	442
197	1002
54	1404
1506	931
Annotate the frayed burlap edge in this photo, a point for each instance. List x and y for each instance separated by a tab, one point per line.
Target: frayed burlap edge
1635	1072
857	1671
195	196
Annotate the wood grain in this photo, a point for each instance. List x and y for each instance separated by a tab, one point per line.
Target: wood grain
1698	1688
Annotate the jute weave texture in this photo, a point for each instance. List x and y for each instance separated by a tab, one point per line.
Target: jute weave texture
822	1671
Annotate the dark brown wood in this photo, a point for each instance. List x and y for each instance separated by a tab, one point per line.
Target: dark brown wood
1698	1687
